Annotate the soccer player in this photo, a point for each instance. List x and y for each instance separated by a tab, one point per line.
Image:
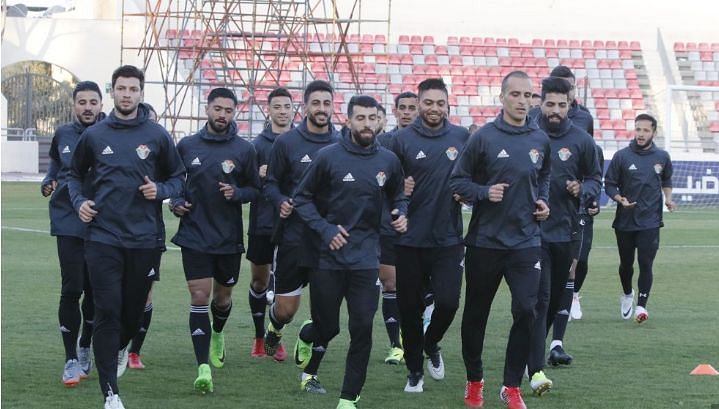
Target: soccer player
131	165
574	172
260	249
636	178
405	111
578	113
70	233
340	198
296	254
430	253
221	175
504	171
381	119
536	101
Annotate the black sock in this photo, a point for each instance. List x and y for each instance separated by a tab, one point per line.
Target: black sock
142	332
258	303
219	317
273	320
318	352
390	314
643	298
308	333
88	319
69	317
562	316
200	332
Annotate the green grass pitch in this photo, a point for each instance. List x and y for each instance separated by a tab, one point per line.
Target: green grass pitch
618	364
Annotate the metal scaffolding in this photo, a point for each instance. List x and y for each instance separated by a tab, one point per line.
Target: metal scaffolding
253	46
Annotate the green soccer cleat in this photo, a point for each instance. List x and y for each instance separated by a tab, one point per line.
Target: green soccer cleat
395	356
303	350
272	340
203	383
540	383
348	404
217	349
312	385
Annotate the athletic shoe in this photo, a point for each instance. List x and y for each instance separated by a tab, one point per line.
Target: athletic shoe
641	314
576	312
84	359
415	383
348	404
134	361
71	373
473	394
312	385
435	365
626	302
203	383
272	340
303	350
258	348
395	356
121	361
281	353
512	397
557	357
113	401
540	383
217	349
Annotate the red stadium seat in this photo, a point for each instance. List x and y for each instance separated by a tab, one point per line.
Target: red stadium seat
416	40
466	50
549	44
455	60
440	50
637	104
430	60
627	114
415	50
171	34
602	114
574	44
403	39
513	42
691	46
380	39
485	41
714	127
611	44
635	46
597	92
429	40
464	40
452	40
498	41
587	45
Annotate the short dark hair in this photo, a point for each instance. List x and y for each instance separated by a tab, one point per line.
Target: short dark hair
362	101
129	71
221	93
278	92
555	85
317	85
86	86
513	74
380	107
406	94
432	83
647	117
562	71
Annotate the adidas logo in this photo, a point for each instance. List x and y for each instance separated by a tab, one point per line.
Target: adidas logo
538	265
420	155
632	167
348	178
66	150
142	329
107	151
64	329
390	320
305	159
319	349
503	154
258	314
563	312
151	273
231	280
196	162
198	332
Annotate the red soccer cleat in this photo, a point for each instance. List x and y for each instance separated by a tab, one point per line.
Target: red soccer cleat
473	397
281	354
258	348
134	362
512	396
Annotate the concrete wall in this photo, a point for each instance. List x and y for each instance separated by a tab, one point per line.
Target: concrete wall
20	156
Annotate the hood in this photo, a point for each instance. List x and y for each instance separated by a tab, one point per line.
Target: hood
143	115
210	137
564	127
528	127
269	135
351	147
80	127
634	146
419	127
330	136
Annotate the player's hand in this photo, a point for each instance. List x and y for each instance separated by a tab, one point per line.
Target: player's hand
181	209
149	189
626	203
408	186
671	206
286	209
542	211
228	190
49	187
86	212
594	210
339	240
496	192
574	187
399	222
263	171
457	198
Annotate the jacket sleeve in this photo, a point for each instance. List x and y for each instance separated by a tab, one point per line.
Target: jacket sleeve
54	166
545	174
591	172
667	172
312	181
248	188
277	166
82	160
612	178
394	188
170	165
460	181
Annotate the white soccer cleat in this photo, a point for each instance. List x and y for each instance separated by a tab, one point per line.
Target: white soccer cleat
641	314
113	402
576	312
415	383
626	302
435	366
122	357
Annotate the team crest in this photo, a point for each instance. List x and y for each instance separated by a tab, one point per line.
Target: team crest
452	153
143	151
564	154
228	166
381	178
534	156
658	168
